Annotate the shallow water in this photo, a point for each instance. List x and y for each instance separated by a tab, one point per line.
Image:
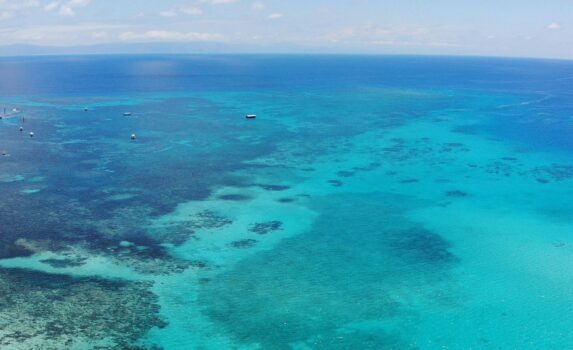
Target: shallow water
376	202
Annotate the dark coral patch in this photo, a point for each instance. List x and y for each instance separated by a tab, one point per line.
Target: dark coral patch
393	149
370	167
209	219
266	227
336	183
556	172
243	243
559	244
179	232
456	194
466	129
63	263
499	168
199	264
344	173
420	245
276	188
234	197
454	144
409	181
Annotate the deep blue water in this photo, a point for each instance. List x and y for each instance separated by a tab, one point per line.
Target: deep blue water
133	74
549	82
376	202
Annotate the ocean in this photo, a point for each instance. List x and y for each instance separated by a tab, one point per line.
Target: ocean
376	202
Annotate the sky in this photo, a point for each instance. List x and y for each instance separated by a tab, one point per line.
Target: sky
531	28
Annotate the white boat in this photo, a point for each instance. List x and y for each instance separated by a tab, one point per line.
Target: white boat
251	116
127	114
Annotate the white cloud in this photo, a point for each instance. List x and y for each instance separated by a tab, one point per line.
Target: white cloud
554	26
57	34
191	11
6	15
164	35
168	13
79	3
258	6
99	35
219	2
66	11
10	8
441	44
52	6
405	36
17	5
275	15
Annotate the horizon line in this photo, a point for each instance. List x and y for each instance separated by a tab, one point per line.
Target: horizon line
270	53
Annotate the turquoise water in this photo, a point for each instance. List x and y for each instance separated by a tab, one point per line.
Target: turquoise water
375	203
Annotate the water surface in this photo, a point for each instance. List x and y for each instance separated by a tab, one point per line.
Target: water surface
376	202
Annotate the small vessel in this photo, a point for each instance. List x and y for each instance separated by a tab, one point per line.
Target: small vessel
251	116
31	134
133	137
21	129
127	114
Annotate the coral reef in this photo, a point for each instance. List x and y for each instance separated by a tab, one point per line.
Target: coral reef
266	227
40	311
243	243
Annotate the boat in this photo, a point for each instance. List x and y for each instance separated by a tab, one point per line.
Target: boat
251	116
11	113
127	114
